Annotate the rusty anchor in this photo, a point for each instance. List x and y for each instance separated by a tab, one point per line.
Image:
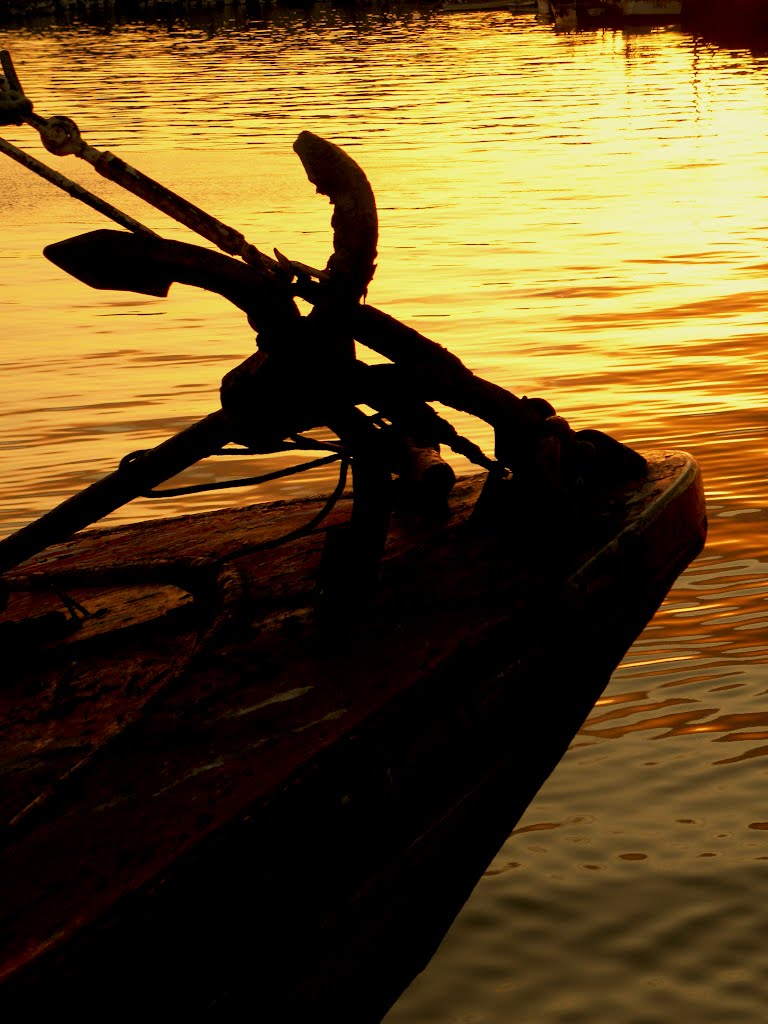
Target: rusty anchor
305	372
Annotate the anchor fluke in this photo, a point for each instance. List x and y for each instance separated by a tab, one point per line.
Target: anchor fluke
110	260
122	261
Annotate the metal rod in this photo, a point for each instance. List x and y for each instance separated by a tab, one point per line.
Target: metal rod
73	189
14	85
61	136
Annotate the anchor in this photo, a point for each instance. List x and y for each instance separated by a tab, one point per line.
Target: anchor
305	373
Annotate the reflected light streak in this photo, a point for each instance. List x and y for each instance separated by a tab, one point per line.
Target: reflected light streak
674	725
623	712
657	661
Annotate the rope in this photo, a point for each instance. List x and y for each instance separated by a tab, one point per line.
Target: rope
174	492
168	569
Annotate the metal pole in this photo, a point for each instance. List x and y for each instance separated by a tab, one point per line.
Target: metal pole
73	189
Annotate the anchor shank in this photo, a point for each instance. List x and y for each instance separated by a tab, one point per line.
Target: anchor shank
127	482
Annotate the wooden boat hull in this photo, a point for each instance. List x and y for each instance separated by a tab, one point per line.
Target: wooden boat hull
227	810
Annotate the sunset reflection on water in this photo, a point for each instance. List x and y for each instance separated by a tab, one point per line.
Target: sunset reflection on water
578	216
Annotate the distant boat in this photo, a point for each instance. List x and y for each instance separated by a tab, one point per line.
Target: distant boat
613	13
741	21
641	10
489	5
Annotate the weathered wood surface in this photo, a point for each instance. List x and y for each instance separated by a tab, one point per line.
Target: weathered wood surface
225	809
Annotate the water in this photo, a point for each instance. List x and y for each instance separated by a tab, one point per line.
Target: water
578	216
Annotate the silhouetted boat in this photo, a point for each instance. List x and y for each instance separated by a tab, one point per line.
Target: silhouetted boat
220	805
252	768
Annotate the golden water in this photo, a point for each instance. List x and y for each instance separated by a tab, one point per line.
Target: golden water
578	216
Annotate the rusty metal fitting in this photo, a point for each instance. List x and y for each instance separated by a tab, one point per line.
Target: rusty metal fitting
61	136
